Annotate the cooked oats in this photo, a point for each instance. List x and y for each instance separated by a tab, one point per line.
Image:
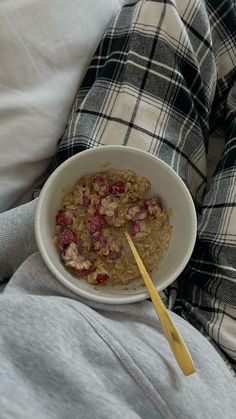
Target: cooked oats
89	227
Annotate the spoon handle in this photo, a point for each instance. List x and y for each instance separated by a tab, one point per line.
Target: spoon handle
173	336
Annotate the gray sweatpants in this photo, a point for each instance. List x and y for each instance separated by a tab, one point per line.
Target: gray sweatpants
65	358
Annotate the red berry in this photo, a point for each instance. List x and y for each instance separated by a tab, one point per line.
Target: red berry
153	206
100	278
66	237
101	180
101	185
102	240
94	223
152	202
142	214
113	255
136	212
86	201
133	210
135	229
98	242
97	206
118	187
64	218
83	271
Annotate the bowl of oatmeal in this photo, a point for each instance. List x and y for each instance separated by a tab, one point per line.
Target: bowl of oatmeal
86	204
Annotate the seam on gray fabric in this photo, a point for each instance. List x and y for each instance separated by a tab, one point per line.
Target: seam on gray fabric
105	336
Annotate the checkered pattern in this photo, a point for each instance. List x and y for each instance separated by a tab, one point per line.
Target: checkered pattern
159	81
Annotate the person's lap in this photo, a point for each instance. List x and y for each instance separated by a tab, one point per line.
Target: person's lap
62	356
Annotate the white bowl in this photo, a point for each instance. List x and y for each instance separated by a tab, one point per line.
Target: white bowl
165	183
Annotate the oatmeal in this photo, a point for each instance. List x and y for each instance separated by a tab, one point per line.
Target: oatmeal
89	227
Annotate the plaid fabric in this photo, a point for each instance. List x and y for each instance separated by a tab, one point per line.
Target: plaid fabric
159	81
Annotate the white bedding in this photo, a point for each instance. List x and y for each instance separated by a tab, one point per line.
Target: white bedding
45	47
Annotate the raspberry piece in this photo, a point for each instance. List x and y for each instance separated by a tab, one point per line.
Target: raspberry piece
135	229
118	188
66	237
102	277
102	240
94	223
83	271
98	242
153	205
113	255
136	212
64	218
133	210
151	202
97	206
86	201
101	185
142	214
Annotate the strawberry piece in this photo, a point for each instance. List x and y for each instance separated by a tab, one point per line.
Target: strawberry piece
66	237
94	223
118	188
64	218
102	277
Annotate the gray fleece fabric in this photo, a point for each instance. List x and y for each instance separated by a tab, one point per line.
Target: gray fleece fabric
64	357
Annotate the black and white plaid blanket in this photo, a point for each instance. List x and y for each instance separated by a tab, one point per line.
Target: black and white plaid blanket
161	80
